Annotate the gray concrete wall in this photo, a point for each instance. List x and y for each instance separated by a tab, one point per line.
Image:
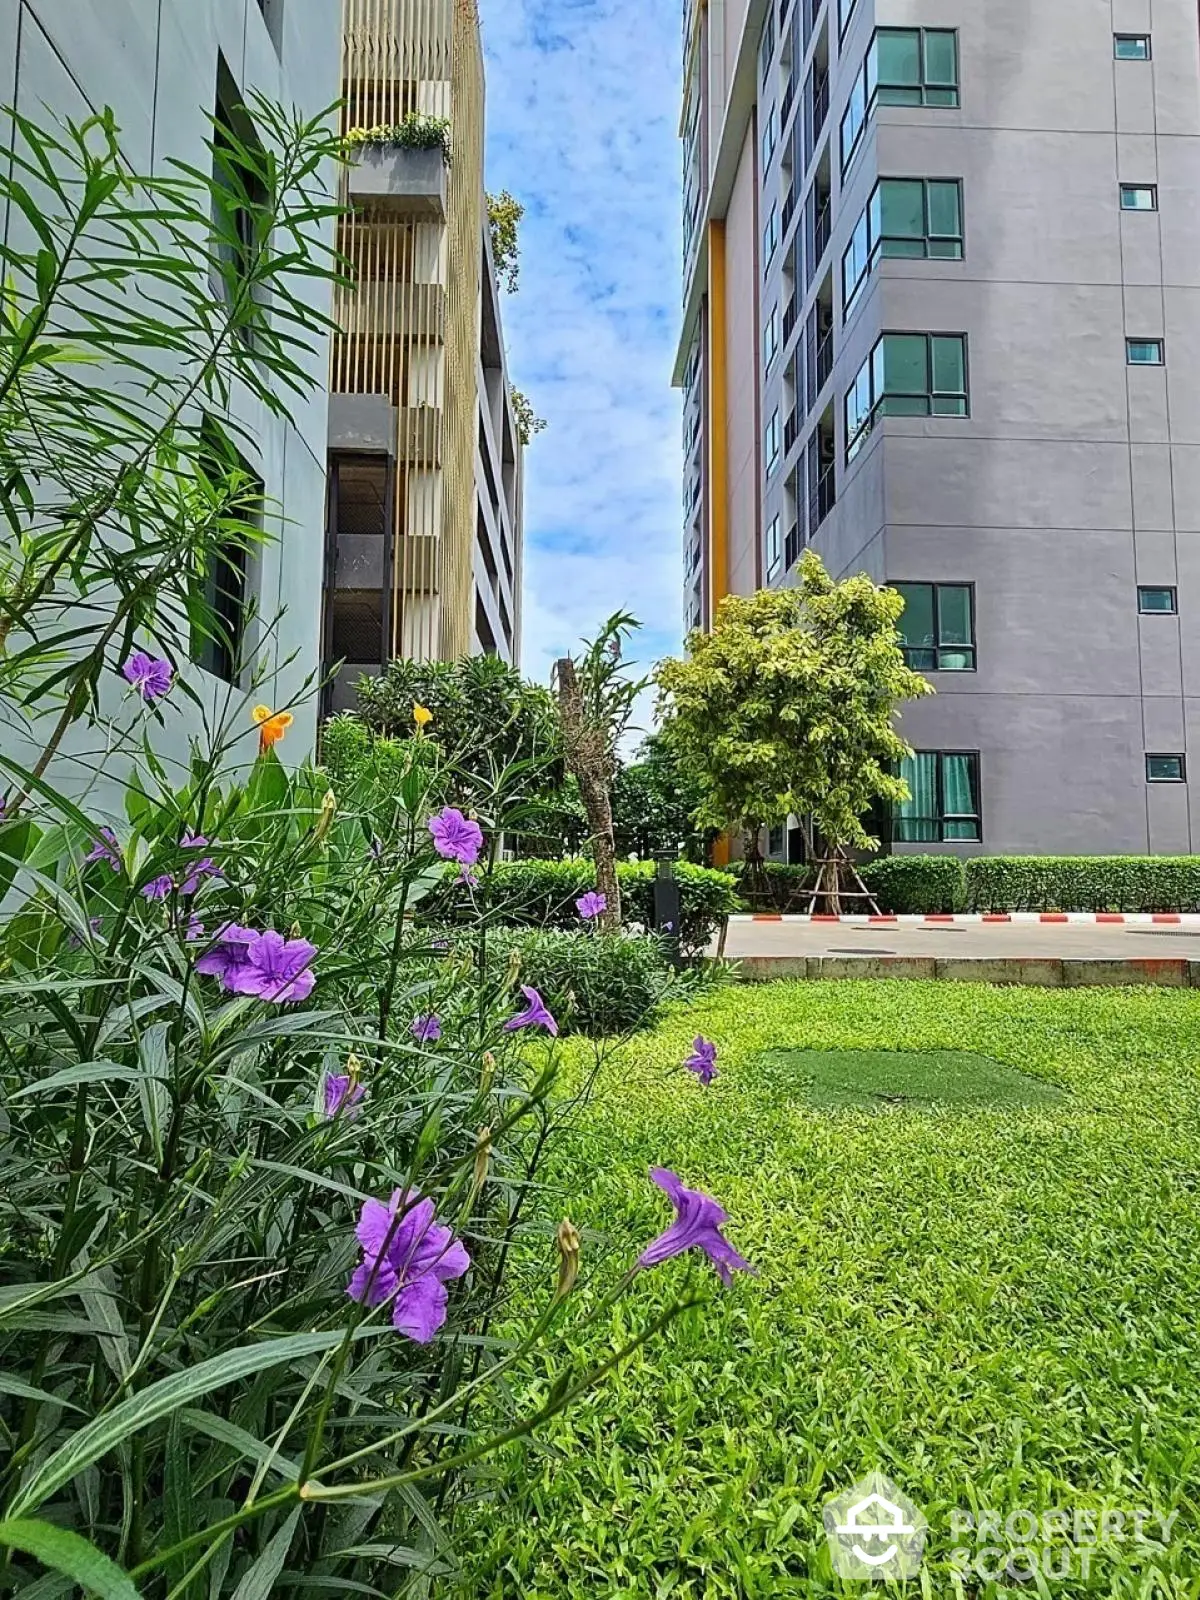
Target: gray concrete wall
156	66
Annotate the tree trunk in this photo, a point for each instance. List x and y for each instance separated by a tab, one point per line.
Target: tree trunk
598	806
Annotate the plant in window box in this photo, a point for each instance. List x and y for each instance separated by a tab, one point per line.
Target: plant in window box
414	132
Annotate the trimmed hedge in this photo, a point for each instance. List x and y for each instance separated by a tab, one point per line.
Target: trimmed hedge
900	884
542	894
1083	883
595	985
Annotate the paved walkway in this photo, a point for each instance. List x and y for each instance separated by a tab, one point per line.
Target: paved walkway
969	940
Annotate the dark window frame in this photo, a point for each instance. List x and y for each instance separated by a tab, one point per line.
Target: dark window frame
1161	345
940	821
1167	755
854	444
1138	188
871	97
875	247
939	648
1158	588
773	546
1124	38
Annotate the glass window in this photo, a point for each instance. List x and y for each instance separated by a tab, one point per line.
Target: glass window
1144	352
915	66
1131	46
907	375
937	628
774	547
943	803
771	338
768	139
854	119
771	234
845	12
1160	601
1139	197
772	441
855	264
913	218
1165	769
766	48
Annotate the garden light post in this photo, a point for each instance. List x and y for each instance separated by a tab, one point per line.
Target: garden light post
666	902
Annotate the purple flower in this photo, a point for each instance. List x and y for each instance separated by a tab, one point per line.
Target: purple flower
151	676
427	1029
535	1014
410	1259
455	837
206	867
194	929
158	888
592	905
342	1092
74	942
276	969
468	879
107	849
697	1226
229	958
703	1060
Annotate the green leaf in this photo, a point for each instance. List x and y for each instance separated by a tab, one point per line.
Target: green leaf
159	1401
153	1092
26	1391
71	1554
260	1580
85	1072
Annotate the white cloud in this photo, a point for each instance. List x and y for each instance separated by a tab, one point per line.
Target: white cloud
583	107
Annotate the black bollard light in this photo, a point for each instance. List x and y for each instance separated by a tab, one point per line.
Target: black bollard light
667	907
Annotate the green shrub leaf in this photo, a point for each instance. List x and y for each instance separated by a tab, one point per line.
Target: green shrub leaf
68	1553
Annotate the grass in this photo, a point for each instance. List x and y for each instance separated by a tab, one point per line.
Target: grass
997	1305
912	1078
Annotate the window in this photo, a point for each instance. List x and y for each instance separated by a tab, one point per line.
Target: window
937	629
1144	352
771	234
913	218
903	67
771	338
775	841
1139	197
845	12
1131	46
239	199
774	549
1156	601
1166	769
907	375
218	601
766	48
772	441
770	133
943	803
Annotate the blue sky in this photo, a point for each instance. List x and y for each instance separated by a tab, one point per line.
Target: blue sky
583	110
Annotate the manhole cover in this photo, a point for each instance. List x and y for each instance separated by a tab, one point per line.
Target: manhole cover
919	1078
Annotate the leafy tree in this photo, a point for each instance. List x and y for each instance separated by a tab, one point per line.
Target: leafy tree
654	799
485	718
595	700
528	421
789	707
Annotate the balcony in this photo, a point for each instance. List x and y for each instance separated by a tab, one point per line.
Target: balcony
791	431
790	315
786	104
821	233
793	545
819	113
400	182
822	499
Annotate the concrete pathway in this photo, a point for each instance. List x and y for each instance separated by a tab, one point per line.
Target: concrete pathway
1032	952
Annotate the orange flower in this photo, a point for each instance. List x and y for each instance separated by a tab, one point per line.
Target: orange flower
272	725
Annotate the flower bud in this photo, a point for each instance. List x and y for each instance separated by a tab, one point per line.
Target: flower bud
295	931
483	1151
353	1067
568	1258
489	1071
325	820
514	968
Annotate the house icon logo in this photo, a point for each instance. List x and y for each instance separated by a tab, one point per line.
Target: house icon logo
875	1531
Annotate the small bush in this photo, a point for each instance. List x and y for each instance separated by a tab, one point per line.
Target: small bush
594	984
913	885
543	894
1083	883
902	885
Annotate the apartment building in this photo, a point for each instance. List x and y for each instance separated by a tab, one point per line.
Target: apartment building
942	323
168	70
423	554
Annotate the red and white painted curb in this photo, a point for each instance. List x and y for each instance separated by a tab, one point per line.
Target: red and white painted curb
1090	918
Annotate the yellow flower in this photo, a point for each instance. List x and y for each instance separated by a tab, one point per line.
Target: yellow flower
272	725
422	716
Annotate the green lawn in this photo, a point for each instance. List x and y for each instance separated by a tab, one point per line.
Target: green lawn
984	1282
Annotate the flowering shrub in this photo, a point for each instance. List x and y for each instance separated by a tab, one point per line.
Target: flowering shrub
414	132
265	1142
